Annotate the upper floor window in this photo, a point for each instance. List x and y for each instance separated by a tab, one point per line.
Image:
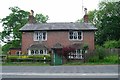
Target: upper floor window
75	35
40	36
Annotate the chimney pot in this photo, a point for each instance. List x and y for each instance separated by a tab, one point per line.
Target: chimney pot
85	9
31	17
32	12
85	16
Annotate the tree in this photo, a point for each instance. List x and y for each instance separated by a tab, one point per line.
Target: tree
13	22
107	20
0	49
91	16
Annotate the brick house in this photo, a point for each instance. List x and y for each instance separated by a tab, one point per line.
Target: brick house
44	38
14	51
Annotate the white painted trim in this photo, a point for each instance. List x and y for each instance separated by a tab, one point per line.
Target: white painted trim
29	52
77	37
34	35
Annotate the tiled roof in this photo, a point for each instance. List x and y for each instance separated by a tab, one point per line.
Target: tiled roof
58	26
37	46
57	46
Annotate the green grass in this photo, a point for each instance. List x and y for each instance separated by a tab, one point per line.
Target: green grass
89	63
25	64
67	64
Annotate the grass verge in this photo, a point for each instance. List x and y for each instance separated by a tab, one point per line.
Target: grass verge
25	64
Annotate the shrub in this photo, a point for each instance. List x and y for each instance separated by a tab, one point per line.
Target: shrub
36	56
12	57
24	57
100	52
94	59
112	44
111	59
41	57
48	57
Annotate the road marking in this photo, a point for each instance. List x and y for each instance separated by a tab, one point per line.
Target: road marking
61	74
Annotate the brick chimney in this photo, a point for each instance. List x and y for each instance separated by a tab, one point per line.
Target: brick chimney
31	18
85	16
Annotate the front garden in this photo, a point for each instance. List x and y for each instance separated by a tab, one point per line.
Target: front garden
100	56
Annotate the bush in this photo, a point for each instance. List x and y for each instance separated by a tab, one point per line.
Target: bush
94	59
36	56
100	51
111	59
41	57
48	57
12	57
112	44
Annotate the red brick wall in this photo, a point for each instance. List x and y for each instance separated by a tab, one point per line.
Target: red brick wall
54	37
89	39
27	40
13	51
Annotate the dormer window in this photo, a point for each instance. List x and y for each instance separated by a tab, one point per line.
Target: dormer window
75	35
40	36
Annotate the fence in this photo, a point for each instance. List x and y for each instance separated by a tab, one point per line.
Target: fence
104	52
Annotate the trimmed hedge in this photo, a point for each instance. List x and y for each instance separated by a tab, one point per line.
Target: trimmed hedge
41	57
14	58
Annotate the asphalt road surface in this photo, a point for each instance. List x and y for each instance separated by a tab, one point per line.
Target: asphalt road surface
96	71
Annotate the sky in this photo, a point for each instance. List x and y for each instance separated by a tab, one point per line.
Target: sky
57	10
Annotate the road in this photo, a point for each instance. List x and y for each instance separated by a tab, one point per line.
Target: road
96	71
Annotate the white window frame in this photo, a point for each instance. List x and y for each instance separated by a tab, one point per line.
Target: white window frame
44	52
39	32
77	55
77	35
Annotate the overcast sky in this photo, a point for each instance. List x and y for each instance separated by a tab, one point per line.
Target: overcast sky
57	10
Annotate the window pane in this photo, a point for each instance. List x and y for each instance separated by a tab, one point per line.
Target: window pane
70	35
44	35
45	51
79	37
75	35
36	52
78	51
41	51
37	36
40	36
79	33
32	52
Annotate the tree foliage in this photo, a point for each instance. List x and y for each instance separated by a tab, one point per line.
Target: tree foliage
112	44
107	20
0	49
13	22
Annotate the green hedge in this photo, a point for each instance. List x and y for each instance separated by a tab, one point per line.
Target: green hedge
94	59
111	59
13	58
40	57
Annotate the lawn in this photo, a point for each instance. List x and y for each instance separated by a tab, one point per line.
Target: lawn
24	64
47	64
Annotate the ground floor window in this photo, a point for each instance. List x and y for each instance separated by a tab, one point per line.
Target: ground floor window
77	54
37	52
